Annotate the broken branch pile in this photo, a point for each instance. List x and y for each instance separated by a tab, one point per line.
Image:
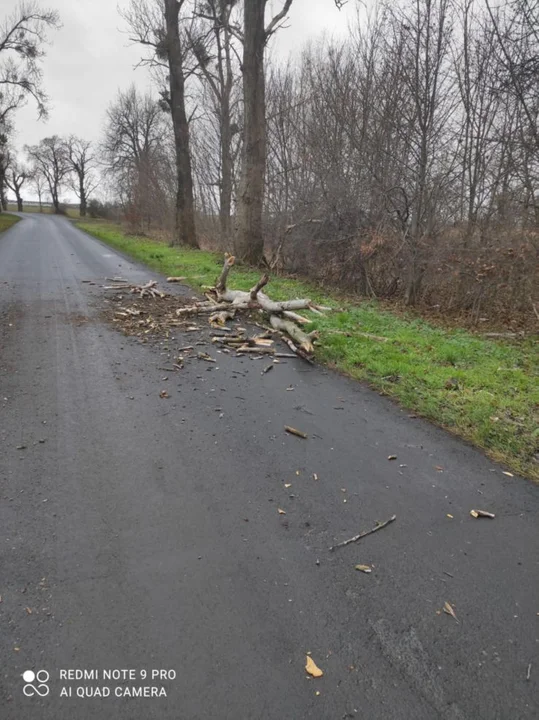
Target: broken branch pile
161	312
222	304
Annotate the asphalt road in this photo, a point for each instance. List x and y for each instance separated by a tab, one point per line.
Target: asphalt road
141	533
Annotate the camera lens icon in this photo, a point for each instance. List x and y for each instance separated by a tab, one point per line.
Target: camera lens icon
41	678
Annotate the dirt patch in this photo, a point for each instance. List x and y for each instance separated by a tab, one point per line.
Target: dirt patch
147	317
76	318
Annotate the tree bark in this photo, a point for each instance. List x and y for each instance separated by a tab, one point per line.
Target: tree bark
249	243
82	198
185	210
225	199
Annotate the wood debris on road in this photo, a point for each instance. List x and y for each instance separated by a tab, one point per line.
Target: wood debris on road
294	431
481	513
377	527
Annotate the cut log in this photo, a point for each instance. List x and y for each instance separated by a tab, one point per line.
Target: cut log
218	319
295	317
203	307
303	339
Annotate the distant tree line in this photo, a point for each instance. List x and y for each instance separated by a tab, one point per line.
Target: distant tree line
401	161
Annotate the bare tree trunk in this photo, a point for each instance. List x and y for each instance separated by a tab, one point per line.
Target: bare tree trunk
249	232
82	198
19	202
3	170
185	210
225	199
55	200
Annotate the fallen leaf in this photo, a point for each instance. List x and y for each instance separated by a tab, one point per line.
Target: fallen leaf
438	468
281	512
391	457
312	668
364	568
164	394
315	476
508	473
449	610
481	513
287	485
450	516
21	447
28	610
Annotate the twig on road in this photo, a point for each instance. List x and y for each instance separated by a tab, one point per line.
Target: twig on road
377	527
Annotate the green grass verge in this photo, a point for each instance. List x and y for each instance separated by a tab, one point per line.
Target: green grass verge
485	391
6	221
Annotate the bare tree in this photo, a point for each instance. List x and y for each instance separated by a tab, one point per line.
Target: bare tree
134	151
39	182
249	230
16	177
155	24
23	35
50	157
216	56
4	161
81	158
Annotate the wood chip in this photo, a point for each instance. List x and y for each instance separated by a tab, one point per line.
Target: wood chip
294	431
449	610
481	513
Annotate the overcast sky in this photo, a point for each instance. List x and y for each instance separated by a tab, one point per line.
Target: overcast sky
91	58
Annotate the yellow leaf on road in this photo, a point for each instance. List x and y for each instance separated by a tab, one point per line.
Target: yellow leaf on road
312	668
449	610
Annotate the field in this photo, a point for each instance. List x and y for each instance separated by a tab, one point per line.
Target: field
485	391
47	209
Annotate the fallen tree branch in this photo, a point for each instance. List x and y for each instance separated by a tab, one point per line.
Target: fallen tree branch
304	340
221	282
377	527
222	304
264	280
